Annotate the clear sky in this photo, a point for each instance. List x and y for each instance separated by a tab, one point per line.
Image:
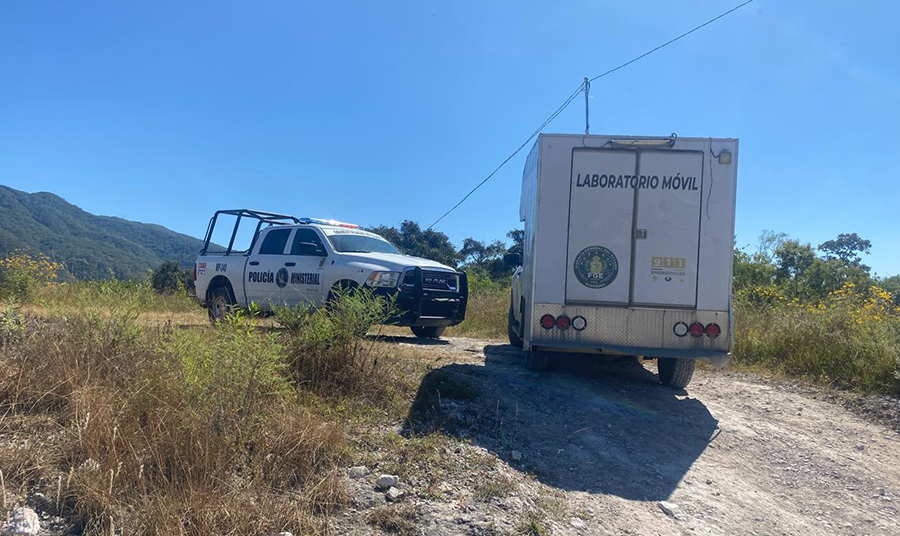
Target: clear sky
376	112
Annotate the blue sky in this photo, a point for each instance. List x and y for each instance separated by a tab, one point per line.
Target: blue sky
376	112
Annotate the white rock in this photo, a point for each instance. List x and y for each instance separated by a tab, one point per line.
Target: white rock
671	509
285	533
392	494
24	522
386	481
359	471
516	456
578	523
89	466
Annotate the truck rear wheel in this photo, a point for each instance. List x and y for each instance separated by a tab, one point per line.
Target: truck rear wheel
428	332
675	373
218	304
513	329
537	360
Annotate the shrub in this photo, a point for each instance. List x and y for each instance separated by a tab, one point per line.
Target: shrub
166	431
231	374
851	339
327	350
170	278
22	274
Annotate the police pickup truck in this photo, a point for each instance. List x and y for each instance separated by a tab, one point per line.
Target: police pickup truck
307	261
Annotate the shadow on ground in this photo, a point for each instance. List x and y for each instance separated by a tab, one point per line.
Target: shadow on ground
594	425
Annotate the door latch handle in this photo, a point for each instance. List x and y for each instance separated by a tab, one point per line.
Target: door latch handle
640	234
254	263
290	264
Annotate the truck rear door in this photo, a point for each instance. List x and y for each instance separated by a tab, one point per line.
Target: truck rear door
667	229
634	227
600	223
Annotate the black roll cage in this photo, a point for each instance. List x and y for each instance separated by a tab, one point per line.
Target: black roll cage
269	218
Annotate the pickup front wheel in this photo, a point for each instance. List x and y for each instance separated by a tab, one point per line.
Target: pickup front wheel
428	332
218	304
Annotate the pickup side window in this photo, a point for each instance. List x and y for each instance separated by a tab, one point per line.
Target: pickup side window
274	242
307	243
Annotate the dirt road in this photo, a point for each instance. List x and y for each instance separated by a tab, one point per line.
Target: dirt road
601	448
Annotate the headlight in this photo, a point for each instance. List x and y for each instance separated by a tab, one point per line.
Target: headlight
383	279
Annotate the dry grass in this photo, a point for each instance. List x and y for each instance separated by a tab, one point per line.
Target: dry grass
486	314
394	519
96	411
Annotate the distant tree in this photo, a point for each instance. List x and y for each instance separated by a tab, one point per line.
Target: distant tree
412	240
846	248
752	270
478	252
769	242
792	259
171	277
892	285
518	238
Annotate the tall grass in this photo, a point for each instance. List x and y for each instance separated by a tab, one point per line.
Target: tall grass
170	430
850	340
486	314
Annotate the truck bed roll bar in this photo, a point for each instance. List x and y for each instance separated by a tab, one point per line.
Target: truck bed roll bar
268	218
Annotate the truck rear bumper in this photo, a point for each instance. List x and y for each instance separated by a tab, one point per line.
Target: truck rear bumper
418	306
715	358
642	331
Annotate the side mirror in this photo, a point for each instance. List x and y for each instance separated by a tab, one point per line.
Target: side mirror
512	259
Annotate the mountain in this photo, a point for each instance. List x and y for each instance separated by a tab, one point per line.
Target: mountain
89	245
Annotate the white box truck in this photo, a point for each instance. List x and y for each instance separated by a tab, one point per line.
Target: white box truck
628	250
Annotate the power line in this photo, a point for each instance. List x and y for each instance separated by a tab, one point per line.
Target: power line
670	41
537	131
569	100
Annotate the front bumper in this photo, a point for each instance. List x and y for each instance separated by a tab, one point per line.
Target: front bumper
420	306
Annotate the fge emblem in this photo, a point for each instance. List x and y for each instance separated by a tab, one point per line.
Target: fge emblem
596	267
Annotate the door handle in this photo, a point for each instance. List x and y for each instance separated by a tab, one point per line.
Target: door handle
254	263
290	264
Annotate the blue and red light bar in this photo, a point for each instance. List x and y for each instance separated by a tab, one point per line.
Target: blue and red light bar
334	223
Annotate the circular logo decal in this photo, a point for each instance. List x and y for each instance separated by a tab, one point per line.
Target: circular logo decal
596	267
281	278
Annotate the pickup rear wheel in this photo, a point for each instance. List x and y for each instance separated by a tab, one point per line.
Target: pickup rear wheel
675	373
428	332
218	304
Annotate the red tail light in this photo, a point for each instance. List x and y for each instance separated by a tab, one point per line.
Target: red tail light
713	330
563	322
696	329
547	321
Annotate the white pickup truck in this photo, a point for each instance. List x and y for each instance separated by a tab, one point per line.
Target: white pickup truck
305	261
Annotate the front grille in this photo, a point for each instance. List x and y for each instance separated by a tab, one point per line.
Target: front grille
438	280
433	280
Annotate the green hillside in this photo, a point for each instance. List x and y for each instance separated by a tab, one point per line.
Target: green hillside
89	245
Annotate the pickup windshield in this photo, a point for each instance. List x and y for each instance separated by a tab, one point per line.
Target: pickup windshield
361	244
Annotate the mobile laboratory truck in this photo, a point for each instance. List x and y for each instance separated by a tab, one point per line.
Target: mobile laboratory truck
628	251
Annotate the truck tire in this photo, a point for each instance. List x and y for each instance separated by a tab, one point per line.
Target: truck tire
512	329
218	304
428	332
675	373
537	360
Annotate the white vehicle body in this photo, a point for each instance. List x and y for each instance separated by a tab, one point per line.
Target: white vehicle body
631	241
302	261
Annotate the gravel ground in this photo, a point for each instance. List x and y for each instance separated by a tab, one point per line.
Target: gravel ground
599	447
